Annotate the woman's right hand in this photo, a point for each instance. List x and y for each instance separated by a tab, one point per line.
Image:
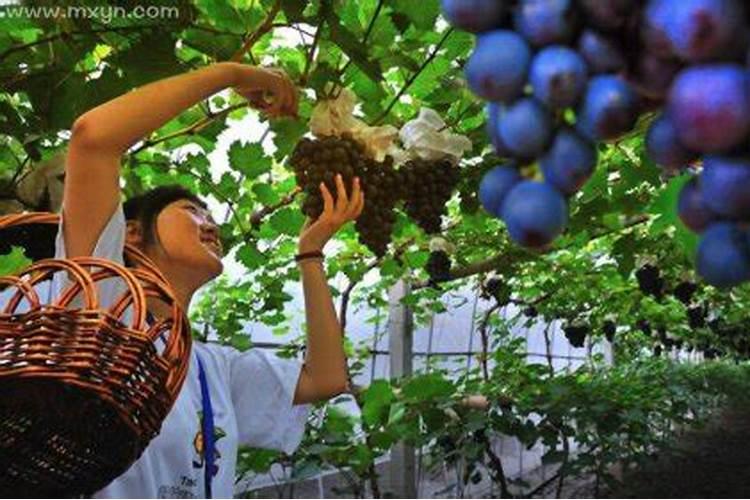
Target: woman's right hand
269	90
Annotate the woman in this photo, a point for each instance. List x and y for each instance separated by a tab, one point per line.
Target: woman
256	398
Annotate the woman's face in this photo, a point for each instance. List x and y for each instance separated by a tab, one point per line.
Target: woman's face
190	239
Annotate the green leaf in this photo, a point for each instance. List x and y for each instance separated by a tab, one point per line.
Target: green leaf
429	386
624	251
353	48
249	159
265	194
251	257
13	262
422	13
287	133
287	221
377	398
664	205
241	341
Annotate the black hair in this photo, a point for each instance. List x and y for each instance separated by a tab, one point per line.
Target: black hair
147	206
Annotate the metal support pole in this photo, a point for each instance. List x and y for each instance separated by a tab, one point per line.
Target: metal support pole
400	331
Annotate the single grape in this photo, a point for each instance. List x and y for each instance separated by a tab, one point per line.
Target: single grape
725	184
474	15
569	162
692	208
544	22
558	76
696	30
498	66
723	259
535	213
495	186
664	147
609	109
709	107
603	54
525	128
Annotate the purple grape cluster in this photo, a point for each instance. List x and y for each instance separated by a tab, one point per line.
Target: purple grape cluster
561	76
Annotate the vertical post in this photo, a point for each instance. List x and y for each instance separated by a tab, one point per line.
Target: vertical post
400	331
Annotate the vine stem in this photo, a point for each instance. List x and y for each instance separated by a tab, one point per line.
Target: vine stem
257	218
515	254
485	341
497	467
368	31
262	30
414	77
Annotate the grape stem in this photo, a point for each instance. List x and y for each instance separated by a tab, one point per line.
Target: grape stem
257	218
514	255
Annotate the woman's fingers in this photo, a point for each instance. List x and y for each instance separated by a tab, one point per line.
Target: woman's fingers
285	92
360	206
355	200
327	201
342	201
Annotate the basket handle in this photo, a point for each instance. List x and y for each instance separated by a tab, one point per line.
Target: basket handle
39	271
25	288
112	269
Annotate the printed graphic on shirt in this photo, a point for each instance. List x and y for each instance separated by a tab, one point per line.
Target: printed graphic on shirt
200	448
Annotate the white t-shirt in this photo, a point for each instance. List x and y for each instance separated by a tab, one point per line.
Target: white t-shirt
251	396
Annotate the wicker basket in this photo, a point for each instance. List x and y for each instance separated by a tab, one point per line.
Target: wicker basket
81	393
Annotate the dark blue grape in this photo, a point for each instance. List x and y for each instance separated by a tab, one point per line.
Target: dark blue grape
709	105
545	22
569	162
603	54
498	67
495	186
723	259
608	15
609	109
474	15
652	76
695	30
525	128
725	184
494	110
664	147
692	209
558	76
535	213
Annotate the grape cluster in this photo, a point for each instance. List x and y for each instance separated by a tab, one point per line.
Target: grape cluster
576	334
429	185
563	75
650	281
609	328
423	186
438	267
320	160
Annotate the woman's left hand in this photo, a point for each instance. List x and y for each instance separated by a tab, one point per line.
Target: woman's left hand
316	233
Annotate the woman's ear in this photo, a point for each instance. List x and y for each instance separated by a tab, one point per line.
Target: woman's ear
134	233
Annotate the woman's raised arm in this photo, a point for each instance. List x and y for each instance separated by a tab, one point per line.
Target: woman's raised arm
103	134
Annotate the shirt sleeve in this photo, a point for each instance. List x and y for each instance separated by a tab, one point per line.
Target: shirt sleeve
110	246
263	387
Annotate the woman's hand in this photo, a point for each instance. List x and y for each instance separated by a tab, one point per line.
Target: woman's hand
315	234
269	90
